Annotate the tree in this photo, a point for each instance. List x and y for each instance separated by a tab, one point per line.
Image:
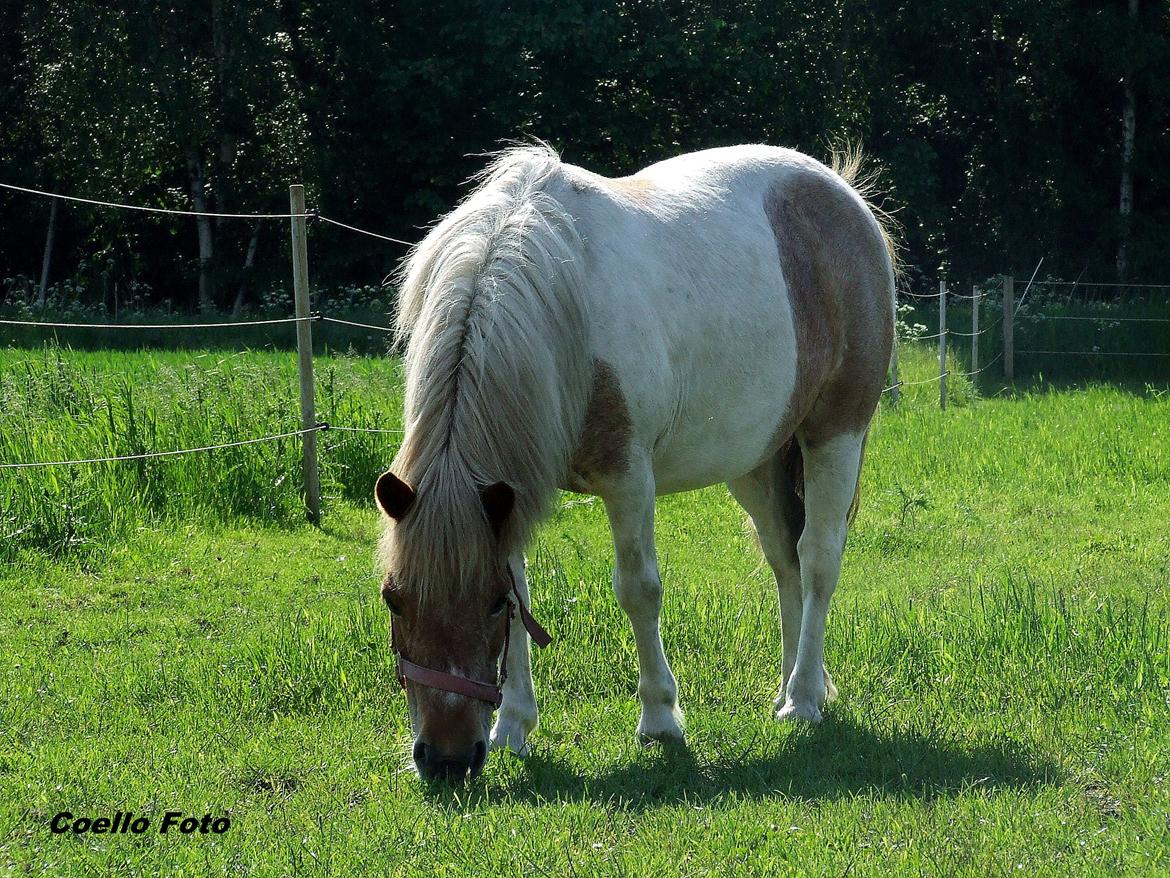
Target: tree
135	101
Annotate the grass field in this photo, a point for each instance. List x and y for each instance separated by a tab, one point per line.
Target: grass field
173	638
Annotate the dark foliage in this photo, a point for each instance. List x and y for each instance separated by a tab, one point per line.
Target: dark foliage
997	127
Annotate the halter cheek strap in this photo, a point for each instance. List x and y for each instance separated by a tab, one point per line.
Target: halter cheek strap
492	693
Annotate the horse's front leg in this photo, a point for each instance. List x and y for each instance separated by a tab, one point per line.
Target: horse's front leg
638	587
517	718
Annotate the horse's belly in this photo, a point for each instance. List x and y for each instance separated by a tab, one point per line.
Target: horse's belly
695	319
727	427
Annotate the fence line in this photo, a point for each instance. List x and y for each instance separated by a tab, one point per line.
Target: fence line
899	384
933	296
1100	319
148	455
1097	353
308	214
312	317
1010	312
1081	283
985	366
37	323
359	325
144	209
365	430
334	222
969	334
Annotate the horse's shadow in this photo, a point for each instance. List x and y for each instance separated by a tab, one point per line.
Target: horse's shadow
835	759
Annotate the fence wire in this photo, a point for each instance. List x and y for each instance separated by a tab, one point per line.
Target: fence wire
321	427
970	334
1097	353
334	222
144	209
1097	319
149	455
359	325
333	427
945	374
951	294
1081	283
311	214
42	324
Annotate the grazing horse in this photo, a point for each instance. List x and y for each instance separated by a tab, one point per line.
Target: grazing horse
723	316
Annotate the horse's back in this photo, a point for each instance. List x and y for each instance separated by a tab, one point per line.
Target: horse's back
735	292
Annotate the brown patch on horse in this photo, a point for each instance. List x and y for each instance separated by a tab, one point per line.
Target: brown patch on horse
834	261
604	448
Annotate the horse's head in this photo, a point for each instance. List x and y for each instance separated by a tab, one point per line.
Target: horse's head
450	595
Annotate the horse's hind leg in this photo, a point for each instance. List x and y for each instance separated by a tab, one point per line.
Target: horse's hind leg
831	469
517	718
770	495
629	503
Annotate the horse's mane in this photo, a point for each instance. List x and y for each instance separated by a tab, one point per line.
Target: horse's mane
497	370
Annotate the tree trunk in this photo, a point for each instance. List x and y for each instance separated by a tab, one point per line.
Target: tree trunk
249	261
1128	124
50	237
206	234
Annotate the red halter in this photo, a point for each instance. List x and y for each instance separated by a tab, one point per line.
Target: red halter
492	693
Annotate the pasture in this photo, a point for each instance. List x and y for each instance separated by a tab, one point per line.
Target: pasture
174	638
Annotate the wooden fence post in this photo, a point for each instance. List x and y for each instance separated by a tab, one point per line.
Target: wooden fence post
300	255
1009	316
942	344
975	293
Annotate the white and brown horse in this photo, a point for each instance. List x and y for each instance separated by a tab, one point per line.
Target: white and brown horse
724	316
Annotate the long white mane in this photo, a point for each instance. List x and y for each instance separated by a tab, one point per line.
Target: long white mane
497	371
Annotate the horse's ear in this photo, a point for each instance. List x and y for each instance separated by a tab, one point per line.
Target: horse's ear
498	500
393	496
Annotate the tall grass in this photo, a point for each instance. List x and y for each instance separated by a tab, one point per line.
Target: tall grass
60	404
57	404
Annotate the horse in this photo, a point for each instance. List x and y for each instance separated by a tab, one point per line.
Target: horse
721	316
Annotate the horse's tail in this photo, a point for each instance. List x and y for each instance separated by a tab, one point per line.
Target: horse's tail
848	161
793	466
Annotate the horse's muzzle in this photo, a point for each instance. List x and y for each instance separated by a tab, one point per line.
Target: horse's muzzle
434	764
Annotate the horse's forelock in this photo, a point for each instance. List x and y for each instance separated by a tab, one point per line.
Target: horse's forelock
444	546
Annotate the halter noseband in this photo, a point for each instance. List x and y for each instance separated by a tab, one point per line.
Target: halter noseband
492	693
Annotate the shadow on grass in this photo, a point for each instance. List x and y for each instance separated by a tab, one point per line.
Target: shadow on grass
835	759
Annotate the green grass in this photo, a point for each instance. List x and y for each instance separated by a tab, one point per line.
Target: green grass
57	404
1001	638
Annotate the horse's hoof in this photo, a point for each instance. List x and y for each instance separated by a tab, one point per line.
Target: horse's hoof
830	693
511	736
666	728
666	737
806	712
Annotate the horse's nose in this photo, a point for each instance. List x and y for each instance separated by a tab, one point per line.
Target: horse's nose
435	764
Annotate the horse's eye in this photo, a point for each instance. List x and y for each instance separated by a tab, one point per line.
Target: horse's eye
499	606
